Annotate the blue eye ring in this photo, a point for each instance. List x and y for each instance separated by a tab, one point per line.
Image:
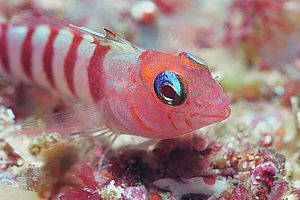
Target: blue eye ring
169	88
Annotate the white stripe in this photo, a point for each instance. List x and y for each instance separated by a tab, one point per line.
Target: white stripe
62	45
117	68
88	38
39	41
81	82
15	37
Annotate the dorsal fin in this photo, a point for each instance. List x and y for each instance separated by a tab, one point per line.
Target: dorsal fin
110	38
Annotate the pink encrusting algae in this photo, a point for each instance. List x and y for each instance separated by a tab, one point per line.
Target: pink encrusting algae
261	27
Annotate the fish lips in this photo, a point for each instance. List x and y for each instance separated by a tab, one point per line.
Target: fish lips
222	114
209	112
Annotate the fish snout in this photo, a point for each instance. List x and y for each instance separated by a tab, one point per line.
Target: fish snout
222	107
219	108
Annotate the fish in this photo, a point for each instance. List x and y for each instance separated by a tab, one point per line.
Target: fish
121	88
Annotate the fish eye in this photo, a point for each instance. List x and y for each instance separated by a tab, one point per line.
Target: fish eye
169	88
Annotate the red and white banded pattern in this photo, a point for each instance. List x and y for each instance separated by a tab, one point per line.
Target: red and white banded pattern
59	58
1	50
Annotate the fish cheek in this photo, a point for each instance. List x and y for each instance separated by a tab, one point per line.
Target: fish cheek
119	114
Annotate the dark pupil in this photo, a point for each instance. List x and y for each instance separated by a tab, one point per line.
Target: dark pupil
170	94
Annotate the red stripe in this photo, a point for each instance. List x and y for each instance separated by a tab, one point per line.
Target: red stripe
48	56
70	62
27	49
95	71
3	48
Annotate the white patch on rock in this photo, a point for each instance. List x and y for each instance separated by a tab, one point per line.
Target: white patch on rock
194	185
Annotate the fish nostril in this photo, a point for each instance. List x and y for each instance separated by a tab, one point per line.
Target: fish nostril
220	101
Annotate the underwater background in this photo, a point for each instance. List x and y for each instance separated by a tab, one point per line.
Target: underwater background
252	48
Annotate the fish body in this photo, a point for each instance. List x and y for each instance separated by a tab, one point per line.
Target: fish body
137	91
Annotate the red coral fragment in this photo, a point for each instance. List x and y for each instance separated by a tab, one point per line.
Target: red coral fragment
241	193
10	159
266	140
278	190
210	180
291	88
86	175
136	193
261	23
264	174
79	194
154	196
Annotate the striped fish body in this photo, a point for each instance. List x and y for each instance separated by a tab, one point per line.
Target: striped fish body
67	61
136	91
58	58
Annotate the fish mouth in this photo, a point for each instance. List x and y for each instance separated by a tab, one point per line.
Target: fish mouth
219	109
223	114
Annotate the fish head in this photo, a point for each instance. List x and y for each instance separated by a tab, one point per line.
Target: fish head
174	95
